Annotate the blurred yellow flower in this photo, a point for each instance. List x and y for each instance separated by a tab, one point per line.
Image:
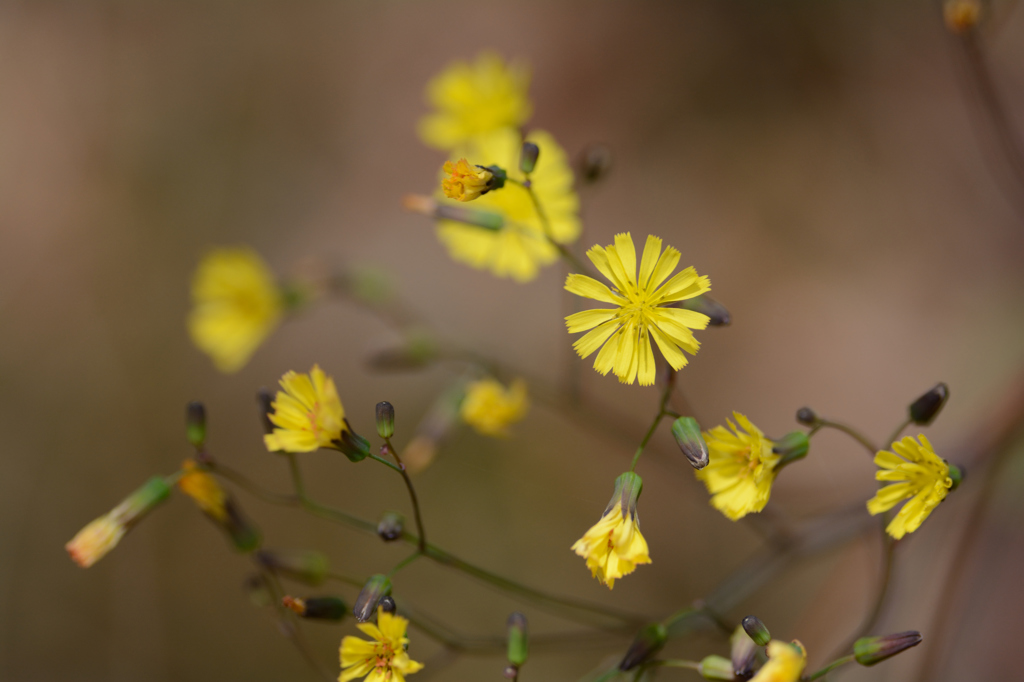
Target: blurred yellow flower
519	246
94	541
204	490
473	99
381	659
236	304
614	546
490	408
786	662
308	414
741	468
917	473
465	182
641	311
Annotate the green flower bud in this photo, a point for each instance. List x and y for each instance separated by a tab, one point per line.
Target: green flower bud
317	608
195	424
352	445
385	419
647	644
716	668
925	409
528	157
871	650
686	431
303	566
391	526
957	474
369	597
792	446
518	646
706	305
806	416
757	630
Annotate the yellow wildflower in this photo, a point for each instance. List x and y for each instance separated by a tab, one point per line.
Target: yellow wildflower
917	473
490	408
474	99
786	662
204	489
236	304
465	182
614	546
382	659
741	468
308	414
518	246
641	311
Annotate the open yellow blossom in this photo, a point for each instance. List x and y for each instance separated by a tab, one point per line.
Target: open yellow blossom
307	413
642	310
786	662
204	490
490	408
518	247
475	98
916	472
465	182
741	468
382	659
236	304
614	546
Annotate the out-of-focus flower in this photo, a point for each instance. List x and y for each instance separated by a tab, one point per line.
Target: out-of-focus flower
916	472
236	304
465	182
99	537
614	546
475	98
204	490
785	662
741	468
961	15
307	413
517	246
624	333
382	658
490	408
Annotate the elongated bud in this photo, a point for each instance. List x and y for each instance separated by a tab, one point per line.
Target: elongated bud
369	597
806	416
647	644
317	608
528	157
265	400
303	566
792	446
706	305
686	431
628	487
390	526
488	220
354	446
195	424
385	419
756	630
871	650
925	409
518	644
716	668
595	163
387	604
743	652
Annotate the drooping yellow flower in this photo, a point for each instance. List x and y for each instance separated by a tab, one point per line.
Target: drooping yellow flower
490	408
474	99
465	182
308	414
741	468
786	662
614	546
641	311
236	304
382	659
204	490
518	247
918	473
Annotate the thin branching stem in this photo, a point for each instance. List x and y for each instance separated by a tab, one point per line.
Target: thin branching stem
666	394
422	544
830	667
849	431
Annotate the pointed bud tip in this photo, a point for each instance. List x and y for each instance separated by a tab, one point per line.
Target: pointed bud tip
385	419
871	650
756	630
688	437
528	157
806	416
647	644
925	409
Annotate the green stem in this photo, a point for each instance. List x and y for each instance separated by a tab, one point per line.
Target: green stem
677	663
662	413
899	430
851	432
296	472
422	545
545	223
385	463
405	562
830	667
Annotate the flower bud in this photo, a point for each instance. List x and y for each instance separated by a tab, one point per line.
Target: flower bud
488	220
303	566
871	650
518	646
195	424
387	604
354	446
385	419
961	15
743	652
528	157
686	431
594	163
647	644
369	597
391	526
757	630
716	668
957	475
806	416
925	409
265	399
466	182
317	608
792	446
706	305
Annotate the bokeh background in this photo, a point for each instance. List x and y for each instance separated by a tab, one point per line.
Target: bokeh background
820	161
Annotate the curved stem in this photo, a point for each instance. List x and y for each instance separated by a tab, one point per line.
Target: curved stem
545	223
422	545
849	431
830	667
883	589
899	430
405	562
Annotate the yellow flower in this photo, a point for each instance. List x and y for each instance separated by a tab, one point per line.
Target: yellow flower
785	663
465	182
382	659
236	304
741	468
919	474
204	489
518	247
614	546
490	408
474	99
94	541
308	414
641	311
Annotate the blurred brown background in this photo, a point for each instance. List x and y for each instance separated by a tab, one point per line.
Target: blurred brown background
816	159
